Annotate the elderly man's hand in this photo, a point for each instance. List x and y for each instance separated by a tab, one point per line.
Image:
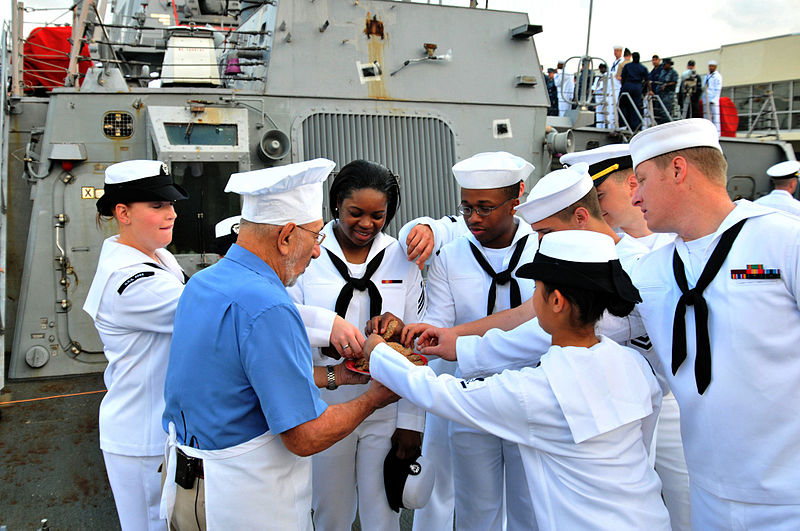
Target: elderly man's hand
380	395
345	376
420	243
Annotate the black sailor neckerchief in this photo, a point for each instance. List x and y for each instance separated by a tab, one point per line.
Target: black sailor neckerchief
503	277
694	297
360	284
165	268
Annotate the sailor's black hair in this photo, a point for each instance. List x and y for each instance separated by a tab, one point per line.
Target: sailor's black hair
590	303
360	174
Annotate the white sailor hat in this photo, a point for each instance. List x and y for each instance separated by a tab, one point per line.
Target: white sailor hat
581	259
226	232
282	194
408	482
602	161
485	171
785	170
227	226
137	180
556	191
672	136
618	47
713	62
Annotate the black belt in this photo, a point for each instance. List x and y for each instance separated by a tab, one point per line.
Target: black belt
187	469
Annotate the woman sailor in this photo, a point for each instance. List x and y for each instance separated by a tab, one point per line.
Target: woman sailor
132	300
361	274
584	416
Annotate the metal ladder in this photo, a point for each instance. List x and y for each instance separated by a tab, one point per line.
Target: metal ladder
768	107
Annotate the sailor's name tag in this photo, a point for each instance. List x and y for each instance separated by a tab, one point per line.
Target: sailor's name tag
755	272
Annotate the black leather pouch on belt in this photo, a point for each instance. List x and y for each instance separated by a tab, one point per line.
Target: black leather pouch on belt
187	469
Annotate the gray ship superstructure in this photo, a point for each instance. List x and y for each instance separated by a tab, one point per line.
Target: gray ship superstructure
212	88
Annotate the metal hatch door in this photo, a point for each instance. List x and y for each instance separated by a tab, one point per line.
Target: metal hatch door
203	145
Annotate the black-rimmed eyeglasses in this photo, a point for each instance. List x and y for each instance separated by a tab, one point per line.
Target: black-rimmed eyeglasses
482	211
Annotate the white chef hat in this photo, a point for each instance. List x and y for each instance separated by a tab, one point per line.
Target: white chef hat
556	191
225	233
785	170
137	180
602	161
408	482
282	194
485	171
672	136
713	62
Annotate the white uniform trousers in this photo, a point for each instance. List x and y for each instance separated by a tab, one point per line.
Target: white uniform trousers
710	513
136	484
671	465
481	463
711	111
356	459
438	512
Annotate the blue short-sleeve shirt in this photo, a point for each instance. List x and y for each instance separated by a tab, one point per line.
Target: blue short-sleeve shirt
240	362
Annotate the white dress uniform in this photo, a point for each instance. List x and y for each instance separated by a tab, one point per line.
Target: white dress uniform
741	435
355	464
613	89
498	350
132	301
670	462
656	240
780	200
711	93
445	230
438	512
565	92
458	290
586	466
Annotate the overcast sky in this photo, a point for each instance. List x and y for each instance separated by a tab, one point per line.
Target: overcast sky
667	28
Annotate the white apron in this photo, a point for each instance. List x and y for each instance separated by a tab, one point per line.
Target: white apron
258	484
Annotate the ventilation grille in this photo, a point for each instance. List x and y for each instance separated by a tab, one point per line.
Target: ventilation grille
118	124
421	150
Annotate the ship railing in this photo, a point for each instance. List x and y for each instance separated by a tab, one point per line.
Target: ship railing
4	137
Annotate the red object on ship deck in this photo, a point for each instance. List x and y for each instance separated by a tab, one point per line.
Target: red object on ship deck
46	58
728	117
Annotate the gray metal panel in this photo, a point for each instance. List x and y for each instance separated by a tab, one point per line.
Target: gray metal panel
306	62
420	150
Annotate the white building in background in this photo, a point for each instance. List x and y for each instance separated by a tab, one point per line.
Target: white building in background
750	69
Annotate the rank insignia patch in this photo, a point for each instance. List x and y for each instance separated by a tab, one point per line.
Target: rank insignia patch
465	383
755	271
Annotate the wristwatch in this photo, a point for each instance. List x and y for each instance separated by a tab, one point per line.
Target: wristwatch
331	378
